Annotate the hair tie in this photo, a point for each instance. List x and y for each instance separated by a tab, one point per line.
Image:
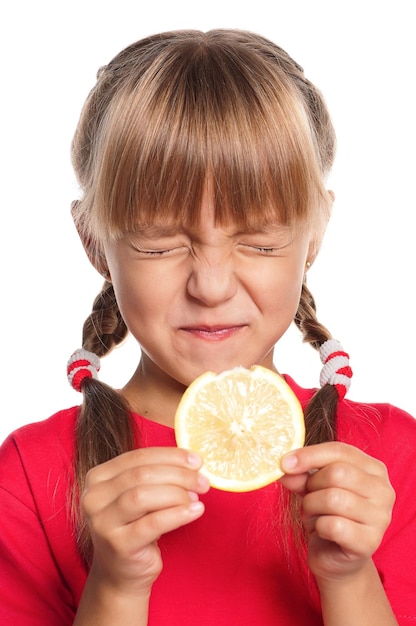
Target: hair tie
82	364
336	370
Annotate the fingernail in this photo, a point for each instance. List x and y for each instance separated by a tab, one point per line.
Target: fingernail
289	462
194	460
203	482
196	507
194	497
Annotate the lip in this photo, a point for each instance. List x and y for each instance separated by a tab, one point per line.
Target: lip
213	333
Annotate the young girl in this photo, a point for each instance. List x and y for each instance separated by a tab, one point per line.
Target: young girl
202	159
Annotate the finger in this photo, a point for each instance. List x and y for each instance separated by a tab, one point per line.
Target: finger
135	503
340	475
144	456
295	482
141	533
153	475
353	538
341	503
154	525
136	480
346	476
371	510
314	457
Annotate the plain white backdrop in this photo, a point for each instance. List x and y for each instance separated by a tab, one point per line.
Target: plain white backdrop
362	56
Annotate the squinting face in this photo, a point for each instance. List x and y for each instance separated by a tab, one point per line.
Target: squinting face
207	297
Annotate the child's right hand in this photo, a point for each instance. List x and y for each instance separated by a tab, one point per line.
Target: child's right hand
132	500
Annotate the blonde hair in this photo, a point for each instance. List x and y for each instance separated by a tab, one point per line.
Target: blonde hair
167	114
175	108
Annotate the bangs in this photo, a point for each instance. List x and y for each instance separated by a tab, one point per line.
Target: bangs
201	112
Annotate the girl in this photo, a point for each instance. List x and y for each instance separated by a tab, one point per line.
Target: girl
202	159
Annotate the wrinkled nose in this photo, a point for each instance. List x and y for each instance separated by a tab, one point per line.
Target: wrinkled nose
212	283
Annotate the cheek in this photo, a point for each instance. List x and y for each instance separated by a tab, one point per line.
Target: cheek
130	295
143	297
281	287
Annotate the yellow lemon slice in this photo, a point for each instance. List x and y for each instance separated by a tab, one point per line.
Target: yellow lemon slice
240	422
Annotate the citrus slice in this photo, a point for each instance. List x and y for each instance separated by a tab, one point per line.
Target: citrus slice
240	422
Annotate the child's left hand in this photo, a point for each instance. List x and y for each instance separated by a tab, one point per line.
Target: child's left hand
346	505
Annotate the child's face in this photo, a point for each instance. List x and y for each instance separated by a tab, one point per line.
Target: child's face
208	297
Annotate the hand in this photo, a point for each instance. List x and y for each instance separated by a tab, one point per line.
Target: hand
346	505
130	502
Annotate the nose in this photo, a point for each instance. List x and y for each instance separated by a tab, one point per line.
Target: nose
212	281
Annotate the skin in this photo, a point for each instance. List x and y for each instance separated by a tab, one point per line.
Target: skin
207	298
211	298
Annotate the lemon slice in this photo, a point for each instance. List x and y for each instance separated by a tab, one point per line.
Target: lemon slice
240	422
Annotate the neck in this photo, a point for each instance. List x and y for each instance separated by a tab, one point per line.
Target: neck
152	393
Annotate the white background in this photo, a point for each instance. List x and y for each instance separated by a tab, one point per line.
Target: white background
360	53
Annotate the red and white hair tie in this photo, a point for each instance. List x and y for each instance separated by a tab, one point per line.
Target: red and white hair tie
82	364
336	370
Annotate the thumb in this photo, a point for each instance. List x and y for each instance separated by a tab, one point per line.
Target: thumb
295	482
292	480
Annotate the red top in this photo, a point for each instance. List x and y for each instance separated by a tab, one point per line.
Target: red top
232	566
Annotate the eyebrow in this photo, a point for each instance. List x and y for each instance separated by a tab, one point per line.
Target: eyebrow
266	229
154	231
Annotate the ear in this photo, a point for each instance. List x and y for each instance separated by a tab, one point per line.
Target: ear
316	240
92	247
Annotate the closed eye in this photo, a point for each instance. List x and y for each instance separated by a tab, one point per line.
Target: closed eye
154	252
264	250
160	252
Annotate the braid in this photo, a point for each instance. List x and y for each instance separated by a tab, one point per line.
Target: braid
104	427
320	413
104	328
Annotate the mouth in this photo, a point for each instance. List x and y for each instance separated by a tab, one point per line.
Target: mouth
213	333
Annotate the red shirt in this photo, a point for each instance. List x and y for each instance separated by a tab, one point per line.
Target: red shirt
232	566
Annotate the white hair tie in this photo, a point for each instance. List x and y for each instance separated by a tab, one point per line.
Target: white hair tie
336	370
82	364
